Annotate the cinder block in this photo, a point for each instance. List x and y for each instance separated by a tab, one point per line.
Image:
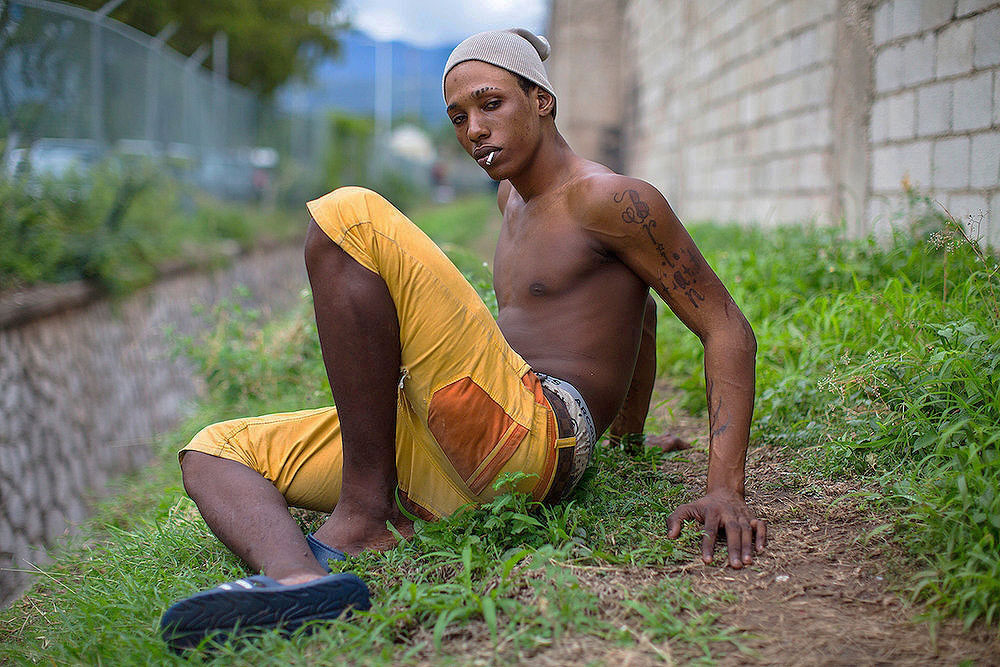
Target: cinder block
985	161
993	230
902	115
905	18
822	128
935	13
886	174
918	59
951	163
915	160
986	43
996	104
954	49
880	121
816	86
889	68
972	106
813	174
934	109
972	211
784	57
966	7
882	23
808	47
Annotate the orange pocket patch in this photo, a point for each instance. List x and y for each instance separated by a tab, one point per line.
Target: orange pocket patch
474	431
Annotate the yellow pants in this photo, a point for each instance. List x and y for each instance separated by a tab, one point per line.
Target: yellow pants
469	407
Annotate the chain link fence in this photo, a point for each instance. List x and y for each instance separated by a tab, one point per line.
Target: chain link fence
76	86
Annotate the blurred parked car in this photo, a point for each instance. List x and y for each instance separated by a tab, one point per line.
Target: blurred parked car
54	158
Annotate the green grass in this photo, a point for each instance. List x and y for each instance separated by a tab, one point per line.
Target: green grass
117	226
875	362
882	362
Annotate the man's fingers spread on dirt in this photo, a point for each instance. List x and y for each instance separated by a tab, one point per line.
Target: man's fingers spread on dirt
676	520
746	542
734	541
711	534
760	527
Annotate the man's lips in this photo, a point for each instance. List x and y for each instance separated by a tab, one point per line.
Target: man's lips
483	152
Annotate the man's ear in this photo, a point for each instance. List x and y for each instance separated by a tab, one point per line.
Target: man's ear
546	103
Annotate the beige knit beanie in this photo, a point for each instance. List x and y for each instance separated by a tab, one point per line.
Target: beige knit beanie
516	50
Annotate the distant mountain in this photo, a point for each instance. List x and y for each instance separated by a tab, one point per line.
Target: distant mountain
348	82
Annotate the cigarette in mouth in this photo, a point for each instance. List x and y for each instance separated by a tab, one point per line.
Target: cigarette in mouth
489	158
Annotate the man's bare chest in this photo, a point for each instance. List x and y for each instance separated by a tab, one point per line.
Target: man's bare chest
543	258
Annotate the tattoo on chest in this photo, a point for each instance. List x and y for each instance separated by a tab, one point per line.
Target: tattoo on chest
675	273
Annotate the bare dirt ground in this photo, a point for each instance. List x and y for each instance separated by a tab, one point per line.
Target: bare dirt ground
825	592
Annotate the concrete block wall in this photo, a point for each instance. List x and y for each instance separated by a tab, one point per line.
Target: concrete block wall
780	111
589	109
935	115
733	118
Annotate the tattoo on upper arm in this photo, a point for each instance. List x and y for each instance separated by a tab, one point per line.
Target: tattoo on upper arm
674	273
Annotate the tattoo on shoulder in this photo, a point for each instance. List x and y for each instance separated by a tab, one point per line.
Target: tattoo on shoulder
676	273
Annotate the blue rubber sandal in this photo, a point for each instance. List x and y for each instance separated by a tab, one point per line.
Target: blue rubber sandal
260	603
324	552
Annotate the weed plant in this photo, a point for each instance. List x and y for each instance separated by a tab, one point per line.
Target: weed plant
116	226
880	360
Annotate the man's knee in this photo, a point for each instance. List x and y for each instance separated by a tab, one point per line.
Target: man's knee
194	471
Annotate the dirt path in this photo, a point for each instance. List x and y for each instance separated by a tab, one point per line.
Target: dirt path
823	593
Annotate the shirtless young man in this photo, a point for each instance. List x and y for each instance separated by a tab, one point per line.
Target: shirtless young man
435	399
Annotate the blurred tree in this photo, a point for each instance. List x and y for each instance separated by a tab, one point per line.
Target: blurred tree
269	41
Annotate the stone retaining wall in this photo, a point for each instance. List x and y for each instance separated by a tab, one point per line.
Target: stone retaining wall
85	391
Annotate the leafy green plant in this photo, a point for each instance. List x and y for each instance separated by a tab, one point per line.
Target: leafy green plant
117	225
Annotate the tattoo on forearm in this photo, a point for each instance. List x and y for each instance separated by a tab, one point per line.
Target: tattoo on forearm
714	428
675	273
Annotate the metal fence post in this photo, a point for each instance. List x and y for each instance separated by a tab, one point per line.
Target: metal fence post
96	70
154	51
220	74
191	66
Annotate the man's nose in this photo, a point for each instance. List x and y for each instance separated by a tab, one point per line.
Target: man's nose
477	129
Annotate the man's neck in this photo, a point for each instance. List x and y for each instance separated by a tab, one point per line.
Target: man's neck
549	169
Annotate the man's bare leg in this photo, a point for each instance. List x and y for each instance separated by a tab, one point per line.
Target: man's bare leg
359	336
249	516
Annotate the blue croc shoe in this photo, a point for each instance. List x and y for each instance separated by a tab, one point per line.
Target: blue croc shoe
260	603
324	552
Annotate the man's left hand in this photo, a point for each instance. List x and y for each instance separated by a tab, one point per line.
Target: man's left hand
723	514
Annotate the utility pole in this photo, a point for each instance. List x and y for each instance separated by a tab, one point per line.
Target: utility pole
97	70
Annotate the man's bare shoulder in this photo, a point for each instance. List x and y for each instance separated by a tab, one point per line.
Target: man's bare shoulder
599	199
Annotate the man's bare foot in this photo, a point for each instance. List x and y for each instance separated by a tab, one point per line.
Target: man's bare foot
293	579
353	530
667	442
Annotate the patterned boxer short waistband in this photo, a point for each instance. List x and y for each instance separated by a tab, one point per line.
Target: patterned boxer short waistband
583	426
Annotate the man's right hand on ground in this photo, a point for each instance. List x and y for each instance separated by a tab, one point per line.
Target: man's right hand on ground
722	515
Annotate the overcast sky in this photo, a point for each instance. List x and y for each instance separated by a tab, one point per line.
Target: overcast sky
440	22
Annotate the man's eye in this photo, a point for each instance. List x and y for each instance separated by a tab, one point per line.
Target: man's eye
457	120
492	104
